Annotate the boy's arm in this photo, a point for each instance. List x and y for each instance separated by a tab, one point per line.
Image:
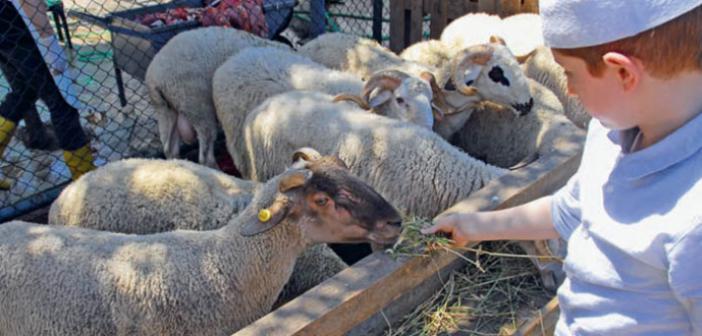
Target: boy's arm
685	277
545	218
531	221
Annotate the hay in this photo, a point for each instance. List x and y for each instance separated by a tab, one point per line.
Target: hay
498	288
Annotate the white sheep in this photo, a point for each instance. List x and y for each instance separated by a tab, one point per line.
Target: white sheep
485	71
179	81
247	79
453	90
541	67
414	168
358	55
143	196
496	136
521	32
73	281
523	36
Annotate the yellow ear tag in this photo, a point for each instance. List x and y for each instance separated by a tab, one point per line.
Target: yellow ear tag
264	215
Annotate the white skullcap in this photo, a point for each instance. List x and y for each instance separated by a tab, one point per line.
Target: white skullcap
584	23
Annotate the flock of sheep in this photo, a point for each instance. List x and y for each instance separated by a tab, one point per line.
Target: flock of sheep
336	142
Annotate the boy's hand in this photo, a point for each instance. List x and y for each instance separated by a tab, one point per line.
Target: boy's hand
450	224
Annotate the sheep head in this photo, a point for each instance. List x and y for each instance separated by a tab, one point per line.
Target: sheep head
329	204
398	95
488	72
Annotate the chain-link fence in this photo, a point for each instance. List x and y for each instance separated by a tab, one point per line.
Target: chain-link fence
72	84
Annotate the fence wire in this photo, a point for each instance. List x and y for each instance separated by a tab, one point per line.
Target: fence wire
72	81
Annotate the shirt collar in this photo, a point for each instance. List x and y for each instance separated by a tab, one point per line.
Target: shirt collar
674	148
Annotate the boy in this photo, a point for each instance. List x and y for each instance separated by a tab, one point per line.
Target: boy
631	214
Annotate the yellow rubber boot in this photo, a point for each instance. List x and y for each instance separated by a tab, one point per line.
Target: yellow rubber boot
79	161
7	129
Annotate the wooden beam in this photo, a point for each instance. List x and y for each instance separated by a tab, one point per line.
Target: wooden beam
508	7
416	23
530	6
397	25
439	17
354	295
542	324
487	6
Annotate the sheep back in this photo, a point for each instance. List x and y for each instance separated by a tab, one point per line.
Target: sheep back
412	167
143	196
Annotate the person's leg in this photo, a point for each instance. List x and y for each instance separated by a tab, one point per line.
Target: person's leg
24	56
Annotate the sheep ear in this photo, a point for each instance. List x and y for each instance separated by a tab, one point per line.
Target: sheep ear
498	40
522	59
379	99
294	180
267	219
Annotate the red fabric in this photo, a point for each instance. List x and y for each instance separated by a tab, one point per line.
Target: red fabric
242	14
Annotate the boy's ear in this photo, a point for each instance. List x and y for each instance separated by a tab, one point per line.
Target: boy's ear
628	70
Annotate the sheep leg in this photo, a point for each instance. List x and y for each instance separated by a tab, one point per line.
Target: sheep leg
206	138
167	130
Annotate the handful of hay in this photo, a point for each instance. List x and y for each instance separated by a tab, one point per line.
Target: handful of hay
413	242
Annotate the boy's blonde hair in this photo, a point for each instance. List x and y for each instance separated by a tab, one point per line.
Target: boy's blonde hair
666	50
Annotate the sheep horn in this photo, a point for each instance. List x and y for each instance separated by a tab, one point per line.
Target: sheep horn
306	154
386	79
439	104
362	103
498	40
475	55
523	58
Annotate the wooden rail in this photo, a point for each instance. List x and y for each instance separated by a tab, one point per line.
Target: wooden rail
406	16
378	290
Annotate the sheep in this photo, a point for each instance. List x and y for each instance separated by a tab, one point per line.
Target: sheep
414	168
357	55
245	80
362	56
494	135
522	34
541	67
179	82
486	71
73	281
143	196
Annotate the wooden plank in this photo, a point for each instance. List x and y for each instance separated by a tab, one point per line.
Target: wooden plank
397	25
506	8
438	10
530	6
416	23
351	297
542	324
487	6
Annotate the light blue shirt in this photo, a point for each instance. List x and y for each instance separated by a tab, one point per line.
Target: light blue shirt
633	222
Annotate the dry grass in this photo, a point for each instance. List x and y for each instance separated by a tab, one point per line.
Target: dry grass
497	288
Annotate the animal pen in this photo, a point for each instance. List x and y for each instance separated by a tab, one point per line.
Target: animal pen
110	48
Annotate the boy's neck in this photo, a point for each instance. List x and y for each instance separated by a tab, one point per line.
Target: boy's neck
668	105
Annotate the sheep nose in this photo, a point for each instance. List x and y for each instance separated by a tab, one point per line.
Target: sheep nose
525	108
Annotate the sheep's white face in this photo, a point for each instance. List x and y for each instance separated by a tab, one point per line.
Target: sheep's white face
497	78
411	102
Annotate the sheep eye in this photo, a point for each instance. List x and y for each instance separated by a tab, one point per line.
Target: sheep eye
469	82
498	76
321	201
400	100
